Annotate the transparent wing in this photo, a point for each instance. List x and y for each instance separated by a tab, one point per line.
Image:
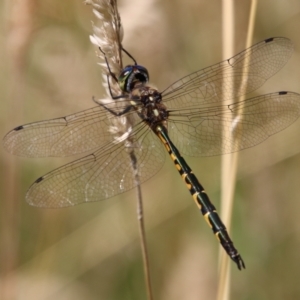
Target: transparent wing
228	128
83	131
101	175
236	76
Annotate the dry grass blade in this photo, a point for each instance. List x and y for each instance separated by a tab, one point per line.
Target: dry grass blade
108	37
229	162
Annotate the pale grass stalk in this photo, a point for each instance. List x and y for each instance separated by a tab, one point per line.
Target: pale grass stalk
226	183
108	36
229	162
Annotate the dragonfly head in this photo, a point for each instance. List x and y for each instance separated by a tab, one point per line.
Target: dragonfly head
132	75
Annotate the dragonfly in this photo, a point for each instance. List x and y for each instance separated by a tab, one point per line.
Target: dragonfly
202	114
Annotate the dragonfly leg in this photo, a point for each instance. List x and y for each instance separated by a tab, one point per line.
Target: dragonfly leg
113	75
129	55
117	114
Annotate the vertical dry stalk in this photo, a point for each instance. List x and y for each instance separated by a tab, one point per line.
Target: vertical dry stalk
229	162
227	183
108	36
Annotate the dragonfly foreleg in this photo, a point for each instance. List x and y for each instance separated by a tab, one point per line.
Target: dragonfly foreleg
113	75
129	55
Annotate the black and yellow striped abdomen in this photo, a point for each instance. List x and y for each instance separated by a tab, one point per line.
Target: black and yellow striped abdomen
200	197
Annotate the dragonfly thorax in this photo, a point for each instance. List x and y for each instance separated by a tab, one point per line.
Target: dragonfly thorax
151	108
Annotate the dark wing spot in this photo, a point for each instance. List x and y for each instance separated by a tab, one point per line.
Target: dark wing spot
19	128
39	179
269	40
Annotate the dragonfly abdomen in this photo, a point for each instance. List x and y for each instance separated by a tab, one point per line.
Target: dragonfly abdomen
200	197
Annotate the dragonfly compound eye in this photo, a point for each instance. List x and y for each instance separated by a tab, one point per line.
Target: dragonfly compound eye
132	75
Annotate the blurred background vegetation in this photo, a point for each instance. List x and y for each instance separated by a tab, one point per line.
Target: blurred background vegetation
49	69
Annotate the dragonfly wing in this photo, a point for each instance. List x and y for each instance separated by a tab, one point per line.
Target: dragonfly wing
73	134
229	128
101	175
233	77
